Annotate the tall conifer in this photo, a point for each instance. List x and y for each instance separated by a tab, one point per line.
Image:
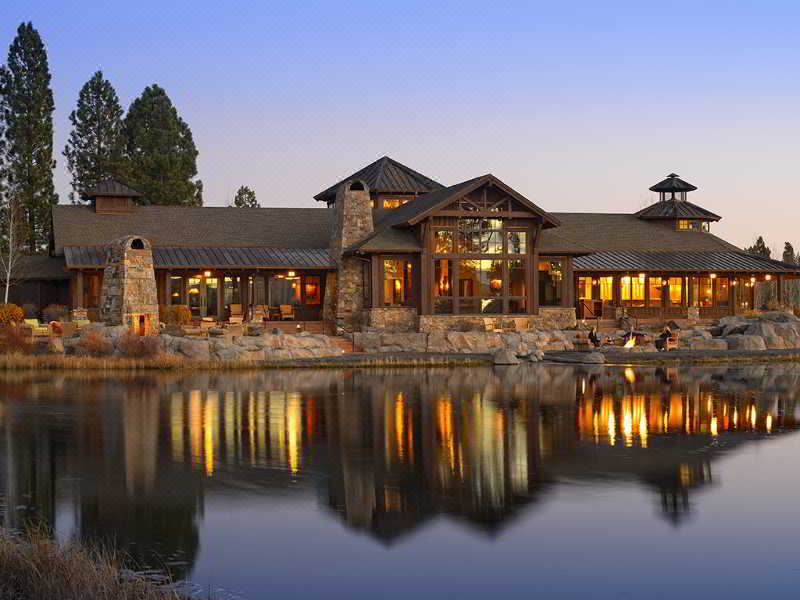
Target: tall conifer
162	153
96	147
26	106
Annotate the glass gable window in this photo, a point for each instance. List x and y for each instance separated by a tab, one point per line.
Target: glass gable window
480	236
551	277
517	242
397	278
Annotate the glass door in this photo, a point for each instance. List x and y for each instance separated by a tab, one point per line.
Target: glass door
194	293
211	297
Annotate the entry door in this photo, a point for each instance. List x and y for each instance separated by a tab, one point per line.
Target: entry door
195	292
211	297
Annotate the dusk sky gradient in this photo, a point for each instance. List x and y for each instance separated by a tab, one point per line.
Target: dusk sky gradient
580	106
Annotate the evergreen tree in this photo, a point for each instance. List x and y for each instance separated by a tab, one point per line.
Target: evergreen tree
759	248
245	198
96	147
162	153
26	106
788	254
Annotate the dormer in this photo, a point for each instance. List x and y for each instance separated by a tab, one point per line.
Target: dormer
112	197
674	209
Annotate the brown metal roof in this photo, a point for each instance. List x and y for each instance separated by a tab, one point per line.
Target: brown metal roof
41	266
388	176
189	226
111	187
711	262
87	257
676	209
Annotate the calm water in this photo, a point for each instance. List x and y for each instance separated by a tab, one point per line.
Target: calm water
457	483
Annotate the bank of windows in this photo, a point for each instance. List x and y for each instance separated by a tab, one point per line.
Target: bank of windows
706	291
480	236
693	225
484	286
710	291
397	283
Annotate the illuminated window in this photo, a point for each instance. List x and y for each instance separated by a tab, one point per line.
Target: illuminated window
607	289
444	241
311	289
394	202
693	225
723	291
675	291
551	277
585	288
703	291
397	279
655	285
517	242
632	290
480	236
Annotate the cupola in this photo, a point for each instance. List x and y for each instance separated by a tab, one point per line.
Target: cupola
673	207
111	196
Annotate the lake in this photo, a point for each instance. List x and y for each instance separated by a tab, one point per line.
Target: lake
552	481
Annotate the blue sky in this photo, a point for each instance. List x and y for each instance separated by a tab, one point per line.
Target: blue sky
578	105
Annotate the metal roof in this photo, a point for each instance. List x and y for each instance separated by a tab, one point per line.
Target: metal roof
673	183
83	257
676	209
388	176
710	262
111	187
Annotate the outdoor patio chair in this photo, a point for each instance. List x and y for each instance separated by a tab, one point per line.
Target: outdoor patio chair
37	328
259	313
236	313
287	312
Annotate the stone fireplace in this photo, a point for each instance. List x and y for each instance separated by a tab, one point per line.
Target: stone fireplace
129	294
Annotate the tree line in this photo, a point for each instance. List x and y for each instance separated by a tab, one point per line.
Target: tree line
149	147
760	248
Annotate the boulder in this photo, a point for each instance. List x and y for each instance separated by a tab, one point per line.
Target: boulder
745	342
761	328
505	357
774	342
701	343
193	349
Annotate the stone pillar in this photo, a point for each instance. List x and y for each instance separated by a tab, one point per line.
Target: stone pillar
129	296
352	223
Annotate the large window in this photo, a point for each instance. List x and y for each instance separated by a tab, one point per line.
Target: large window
631	290
397	282
585	288
517	286
517	241
284	289
607	289
676	291
480	236
723	291
551	277
655	287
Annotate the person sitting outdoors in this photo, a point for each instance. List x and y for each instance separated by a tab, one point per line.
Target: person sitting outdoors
661	341
594	338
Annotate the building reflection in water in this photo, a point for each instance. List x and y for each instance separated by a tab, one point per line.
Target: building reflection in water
134	459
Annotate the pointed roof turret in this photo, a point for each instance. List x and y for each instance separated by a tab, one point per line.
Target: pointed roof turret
672	203
672	185
110	188
386	176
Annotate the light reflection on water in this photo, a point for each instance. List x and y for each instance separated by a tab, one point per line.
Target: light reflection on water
181	472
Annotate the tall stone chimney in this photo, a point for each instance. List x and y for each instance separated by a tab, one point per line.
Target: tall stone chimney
352	223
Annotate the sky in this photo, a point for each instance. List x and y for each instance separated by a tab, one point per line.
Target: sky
580	106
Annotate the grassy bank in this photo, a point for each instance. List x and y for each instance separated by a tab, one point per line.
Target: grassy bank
35	567
17	362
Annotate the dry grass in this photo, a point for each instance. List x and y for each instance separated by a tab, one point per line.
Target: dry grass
35	567
170	362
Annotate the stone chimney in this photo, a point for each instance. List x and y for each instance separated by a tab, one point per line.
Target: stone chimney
352	223
128	296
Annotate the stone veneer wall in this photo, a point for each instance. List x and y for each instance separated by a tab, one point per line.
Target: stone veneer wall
129	283
548	318
393	319
353	222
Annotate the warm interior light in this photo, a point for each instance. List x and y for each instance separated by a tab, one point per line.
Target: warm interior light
768	277
496	284
194	291
734	282
291	274
641	275
753	279
207	273
713	276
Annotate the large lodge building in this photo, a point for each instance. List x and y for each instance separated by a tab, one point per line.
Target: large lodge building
397	250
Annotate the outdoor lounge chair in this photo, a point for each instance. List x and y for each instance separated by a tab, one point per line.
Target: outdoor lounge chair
37	328
259	313
236	315
287	312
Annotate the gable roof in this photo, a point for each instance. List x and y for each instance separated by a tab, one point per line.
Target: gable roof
676	209
194	226
111	187
386	176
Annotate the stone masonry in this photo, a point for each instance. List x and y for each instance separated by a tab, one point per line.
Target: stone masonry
352	223
129	296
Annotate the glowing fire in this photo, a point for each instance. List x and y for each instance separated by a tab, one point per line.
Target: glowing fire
631	342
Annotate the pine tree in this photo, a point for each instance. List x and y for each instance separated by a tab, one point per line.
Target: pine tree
788	254
162	153
759	248
245	198
26	106
96	147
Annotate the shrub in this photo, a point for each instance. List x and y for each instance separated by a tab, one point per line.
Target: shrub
11	314
131	345
94	343
176	314
15	339
55	312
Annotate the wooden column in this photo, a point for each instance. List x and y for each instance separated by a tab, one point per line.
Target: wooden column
376	281
77	290
168	288
220	296
426	271
779	285
533	269
568	294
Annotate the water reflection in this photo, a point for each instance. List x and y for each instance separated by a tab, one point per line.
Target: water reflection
136	459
